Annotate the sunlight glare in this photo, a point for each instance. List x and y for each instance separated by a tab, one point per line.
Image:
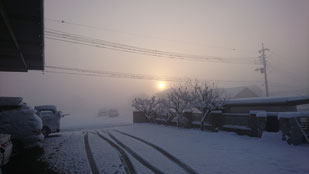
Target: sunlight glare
161	85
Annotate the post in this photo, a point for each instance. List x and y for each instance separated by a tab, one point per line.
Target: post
263	57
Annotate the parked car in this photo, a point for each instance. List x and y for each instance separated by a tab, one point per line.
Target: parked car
6	147
50	117
21	122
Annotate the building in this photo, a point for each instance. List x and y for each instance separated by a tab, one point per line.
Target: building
22	35
244	92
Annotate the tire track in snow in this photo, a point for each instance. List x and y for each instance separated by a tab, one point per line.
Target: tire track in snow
57	148
129	169
181	164
136	156
92	164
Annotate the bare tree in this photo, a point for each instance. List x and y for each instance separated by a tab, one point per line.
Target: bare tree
147	106
179	101
206	99
162	109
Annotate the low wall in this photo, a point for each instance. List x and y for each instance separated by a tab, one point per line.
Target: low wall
252	124
139	117
243	124
290	128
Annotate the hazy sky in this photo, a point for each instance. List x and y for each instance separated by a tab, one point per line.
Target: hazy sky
221	28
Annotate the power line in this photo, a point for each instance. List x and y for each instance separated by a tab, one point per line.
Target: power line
98	28
129	51
78	39
113	74
55	33
66	34
102	46
110	76
139	35
118	74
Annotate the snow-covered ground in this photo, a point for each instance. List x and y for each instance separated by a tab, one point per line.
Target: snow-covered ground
73	123
65	152
164	149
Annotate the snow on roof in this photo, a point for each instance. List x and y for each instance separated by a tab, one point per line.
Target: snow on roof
256	111
259	113
10	101
46	107
262	113
293	114
259	101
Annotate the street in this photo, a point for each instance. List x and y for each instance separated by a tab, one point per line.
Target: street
104	151
148	148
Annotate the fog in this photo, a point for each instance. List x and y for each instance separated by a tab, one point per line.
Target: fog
221	28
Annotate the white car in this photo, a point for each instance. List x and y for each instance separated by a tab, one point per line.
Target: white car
50	117
6	147
21	122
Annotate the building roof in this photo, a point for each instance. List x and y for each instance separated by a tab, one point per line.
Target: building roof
11	101
21	35
46	107
268	101
244	92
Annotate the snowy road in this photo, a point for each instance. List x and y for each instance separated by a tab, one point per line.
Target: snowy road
144	148
135	155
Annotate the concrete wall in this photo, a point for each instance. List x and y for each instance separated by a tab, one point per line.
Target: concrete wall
139	117
243	124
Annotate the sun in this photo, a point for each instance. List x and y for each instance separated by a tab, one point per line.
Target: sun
161	85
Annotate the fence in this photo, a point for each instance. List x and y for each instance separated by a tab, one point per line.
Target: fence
243	124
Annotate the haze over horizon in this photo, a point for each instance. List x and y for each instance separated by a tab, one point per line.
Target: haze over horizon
229	33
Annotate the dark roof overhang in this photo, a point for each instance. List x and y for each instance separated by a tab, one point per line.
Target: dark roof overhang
268	101
21	35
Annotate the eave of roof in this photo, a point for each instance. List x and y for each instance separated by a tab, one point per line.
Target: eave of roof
21	35
10	101
269	101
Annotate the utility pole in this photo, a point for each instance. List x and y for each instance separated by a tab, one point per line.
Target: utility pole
263	70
